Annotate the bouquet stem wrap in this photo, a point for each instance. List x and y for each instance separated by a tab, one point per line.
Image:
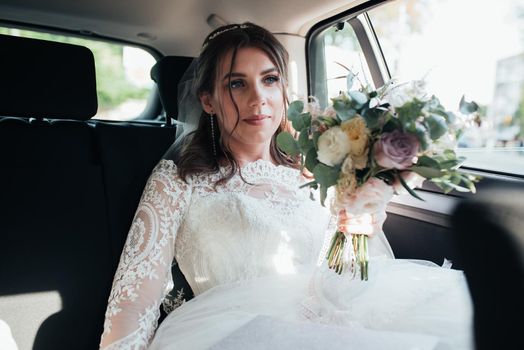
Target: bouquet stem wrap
360	246
349	251
360	216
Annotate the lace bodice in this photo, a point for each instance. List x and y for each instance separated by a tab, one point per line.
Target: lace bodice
232	232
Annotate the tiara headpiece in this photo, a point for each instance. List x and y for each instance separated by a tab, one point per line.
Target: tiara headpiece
220	32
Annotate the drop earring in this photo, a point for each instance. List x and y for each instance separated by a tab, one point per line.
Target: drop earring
213	141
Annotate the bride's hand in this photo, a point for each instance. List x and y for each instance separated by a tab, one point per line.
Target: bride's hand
367	224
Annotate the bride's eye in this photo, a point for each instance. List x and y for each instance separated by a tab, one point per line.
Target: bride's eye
271	79
236	84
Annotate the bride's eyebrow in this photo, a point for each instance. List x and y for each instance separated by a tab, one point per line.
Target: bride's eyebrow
242	75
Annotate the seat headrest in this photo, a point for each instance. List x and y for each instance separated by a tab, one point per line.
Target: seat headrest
45	79
167	73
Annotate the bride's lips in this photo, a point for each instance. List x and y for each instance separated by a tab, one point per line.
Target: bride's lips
256	119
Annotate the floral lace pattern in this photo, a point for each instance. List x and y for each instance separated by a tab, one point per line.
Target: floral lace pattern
232	232
141	280
247	229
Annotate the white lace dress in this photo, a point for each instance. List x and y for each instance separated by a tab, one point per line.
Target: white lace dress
250	253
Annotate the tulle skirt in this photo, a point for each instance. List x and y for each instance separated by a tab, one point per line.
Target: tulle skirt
404	305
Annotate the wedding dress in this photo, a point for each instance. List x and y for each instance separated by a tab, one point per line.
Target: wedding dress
251	252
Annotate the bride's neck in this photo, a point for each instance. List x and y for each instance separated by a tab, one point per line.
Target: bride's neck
246	156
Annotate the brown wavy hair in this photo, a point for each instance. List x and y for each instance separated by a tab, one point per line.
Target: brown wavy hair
197	155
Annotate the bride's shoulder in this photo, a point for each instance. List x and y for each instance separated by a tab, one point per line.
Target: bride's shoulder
168	170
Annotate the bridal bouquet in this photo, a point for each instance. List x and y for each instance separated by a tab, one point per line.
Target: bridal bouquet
369	144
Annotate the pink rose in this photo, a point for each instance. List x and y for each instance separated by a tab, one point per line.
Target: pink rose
371	197
396	150
364	211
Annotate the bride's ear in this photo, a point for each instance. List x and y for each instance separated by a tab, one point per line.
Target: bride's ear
205	100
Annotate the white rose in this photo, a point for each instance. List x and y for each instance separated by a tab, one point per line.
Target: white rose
333	146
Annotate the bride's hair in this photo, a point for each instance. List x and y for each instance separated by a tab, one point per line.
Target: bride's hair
197	155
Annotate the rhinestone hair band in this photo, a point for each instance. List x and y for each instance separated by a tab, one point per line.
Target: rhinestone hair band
220	32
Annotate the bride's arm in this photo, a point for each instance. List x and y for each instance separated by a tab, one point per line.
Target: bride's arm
141	279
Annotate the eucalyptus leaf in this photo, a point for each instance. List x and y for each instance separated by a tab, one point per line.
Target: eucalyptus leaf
410	111
442	185
451	117
427	172
325	175
349	80
372	116
306	118
323	194
449	164
421	134
304	142
433	103
450	154
467	107
428	162
316	135
343	108
309	184
298	123
287	143
294	109
359	98
311	159
437	126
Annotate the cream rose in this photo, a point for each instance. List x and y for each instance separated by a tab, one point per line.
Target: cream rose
358	135
333	146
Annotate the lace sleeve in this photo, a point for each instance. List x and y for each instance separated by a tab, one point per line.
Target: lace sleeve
143	273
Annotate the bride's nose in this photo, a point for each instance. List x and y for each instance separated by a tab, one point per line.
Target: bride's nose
257	96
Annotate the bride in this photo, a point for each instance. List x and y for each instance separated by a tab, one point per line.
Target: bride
250	241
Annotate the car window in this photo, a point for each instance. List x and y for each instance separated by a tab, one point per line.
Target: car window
466	47
122	74
337	51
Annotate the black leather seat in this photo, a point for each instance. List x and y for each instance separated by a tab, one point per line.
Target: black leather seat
489	231
55	262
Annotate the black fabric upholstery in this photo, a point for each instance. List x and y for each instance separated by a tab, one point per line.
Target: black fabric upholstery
53	236
167	73
46	79
489	230
130	152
